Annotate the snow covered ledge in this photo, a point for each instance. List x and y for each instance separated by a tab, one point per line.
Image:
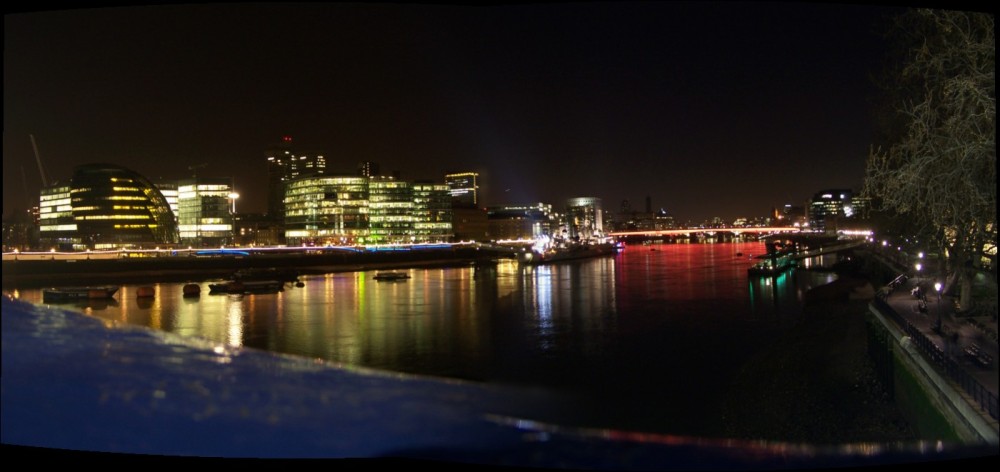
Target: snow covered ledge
71	383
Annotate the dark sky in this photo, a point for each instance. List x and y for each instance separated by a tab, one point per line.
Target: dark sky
710	109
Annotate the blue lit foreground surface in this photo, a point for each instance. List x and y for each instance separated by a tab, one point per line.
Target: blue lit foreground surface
69	382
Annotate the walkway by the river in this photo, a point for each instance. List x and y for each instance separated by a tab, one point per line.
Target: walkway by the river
957	338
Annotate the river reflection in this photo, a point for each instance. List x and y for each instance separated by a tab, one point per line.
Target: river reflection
647	339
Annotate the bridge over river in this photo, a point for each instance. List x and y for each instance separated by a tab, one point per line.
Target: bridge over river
709	231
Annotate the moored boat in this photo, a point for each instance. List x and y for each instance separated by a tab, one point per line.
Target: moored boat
569	252
772	265
249	286
391	276
78	293
266	273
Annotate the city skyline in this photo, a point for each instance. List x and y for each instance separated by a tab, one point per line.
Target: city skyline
709	109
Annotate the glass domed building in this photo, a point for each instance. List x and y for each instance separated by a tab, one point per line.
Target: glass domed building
111	207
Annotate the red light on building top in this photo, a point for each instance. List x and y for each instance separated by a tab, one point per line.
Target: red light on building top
287	139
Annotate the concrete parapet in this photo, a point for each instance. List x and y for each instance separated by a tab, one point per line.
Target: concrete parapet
961	413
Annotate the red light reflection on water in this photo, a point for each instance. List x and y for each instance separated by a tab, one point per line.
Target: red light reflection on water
685	272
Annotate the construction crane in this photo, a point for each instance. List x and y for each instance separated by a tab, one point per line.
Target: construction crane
194	169
45	182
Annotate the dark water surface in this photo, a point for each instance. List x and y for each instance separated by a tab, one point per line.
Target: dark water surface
650	339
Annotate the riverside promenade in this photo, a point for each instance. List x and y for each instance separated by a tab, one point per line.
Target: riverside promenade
959	347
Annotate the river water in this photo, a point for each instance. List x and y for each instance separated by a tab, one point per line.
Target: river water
650	339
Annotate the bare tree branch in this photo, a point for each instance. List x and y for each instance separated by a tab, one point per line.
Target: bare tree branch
941	166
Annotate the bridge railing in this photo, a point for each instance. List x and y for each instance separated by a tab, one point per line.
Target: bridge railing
942	361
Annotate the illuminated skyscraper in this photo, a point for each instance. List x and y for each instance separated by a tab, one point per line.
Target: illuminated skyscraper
464	188
283	165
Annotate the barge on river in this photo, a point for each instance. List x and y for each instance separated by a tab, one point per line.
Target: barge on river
63	294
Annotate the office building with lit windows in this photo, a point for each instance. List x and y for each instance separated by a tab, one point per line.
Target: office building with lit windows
169	191
829	210
329	210
432	212
350	210
390	211
512	222
584	218
56	225
105	206
205	216
464	188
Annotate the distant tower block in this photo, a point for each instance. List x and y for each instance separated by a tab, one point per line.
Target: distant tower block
464	189
368	169
284	164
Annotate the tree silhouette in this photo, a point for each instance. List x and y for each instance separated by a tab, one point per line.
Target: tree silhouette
938	165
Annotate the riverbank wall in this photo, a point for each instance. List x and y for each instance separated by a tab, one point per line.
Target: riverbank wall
905	362
55	272
909	365
931	404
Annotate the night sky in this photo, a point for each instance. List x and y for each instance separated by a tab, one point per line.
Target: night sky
710	109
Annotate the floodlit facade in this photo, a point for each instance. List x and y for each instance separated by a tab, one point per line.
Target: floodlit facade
584	218
327	211
204	215
105	206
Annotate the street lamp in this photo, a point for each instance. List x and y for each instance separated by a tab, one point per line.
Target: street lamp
937	325
233	196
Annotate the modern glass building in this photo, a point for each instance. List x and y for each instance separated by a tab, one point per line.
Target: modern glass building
432	213
204	215
327	210
169	191
111	207
56	225
390	210
349	210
